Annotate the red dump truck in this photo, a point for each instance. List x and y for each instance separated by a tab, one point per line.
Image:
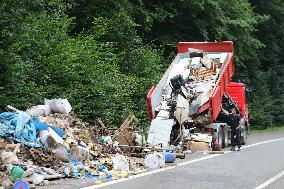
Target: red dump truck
190	95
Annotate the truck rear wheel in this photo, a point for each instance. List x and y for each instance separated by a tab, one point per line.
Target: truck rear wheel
225	142
220	136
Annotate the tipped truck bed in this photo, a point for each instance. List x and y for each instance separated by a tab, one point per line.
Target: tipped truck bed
214	103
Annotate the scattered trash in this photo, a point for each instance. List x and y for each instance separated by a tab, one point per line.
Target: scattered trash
5	181
120	163
20	127
6	184
56	145
124	135
9	157
17	173
216	146
59	105
37	178
61	153
197	146
154	161
170	157
40	110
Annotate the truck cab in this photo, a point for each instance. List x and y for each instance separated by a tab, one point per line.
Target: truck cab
237	92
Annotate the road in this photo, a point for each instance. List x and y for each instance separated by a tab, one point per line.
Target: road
259	164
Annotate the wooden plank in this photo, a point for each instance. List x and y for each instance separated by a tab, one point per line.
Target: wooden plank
124	134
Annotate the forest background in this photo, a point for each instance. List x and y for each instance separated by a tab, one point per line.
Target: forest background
104	55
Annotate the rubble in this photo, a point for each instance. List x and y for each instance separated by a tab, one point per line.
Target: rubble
41	145
49	142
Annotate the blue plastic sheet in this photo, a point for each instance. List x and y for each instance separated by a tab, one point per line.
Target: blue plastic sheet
20	127
80	171
40	126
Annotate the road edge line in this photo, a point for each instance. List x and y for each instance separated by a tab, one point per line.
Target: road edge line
270	181
175	166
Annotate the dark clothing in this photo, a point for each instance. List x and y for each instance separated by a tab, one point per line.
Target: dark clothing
237	133
234	121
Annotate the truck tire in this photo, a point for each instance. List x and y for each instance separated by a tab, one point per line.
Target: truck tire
244	138
220	136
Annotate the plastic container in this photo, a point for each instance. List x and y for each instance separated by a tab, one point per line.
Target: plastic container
170	157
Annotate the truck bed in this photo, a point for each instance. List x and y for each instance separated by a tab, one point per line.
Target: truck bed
213	99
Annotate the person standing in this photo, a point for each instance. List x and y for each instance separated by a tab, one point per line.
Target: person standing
235	123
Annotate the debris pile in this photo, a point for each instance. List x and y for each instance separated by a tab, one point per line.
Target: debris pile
48	142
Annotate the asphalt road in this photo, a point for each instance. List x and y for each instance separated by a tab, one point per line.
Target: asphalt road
257	162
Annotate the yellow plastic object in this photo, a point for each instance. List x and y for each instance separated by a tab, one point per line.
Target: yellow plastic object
101	174
69	140
98	182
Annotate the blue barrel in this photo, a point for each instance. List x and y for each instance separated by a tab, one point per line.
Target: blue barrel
170	157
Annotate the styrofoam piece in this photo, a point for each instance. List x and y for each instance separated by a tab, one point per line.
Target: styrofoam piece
160	131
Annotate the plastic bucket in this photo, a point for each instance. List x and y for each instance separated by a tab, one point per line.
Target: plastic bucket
170	157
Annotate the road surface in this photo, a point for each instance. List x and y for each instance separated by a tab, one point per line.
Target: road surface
260	164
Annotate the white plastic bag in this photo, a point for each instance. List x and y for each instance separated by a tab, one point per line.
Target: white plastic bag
40	110
59	105
37	178
61	153
154	161
120	163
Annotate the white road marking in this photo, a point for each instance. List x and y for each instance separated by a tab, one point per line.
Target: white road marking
178	165
270	181
151	172
264	142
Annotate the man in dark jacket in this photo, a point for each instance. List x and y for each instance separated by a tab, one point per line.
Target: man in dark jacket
235	123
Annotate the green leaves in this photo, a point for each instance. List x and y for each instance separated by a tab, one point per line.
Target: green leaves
105	55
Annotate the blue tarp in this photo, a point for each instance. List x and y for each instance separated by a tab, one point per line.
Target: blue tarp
20	127
40	126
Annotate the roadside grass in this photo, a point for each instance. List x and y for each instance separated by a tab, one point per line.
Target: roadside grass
257	130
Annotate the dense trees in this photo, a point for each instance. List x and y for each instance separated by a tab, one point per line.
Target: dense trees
104	55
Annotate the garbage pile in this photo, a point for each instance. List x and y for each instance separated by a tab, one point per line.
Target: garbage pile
48	142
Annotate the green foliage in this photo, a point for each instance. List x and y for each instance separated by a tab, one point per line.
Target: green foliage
105	55
44	61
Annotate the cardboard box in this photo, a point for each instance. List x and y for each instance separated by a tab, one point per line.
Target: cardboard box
197	146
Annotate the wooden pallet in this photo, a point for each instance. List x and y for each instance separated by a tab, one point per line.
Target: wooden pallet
124	134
